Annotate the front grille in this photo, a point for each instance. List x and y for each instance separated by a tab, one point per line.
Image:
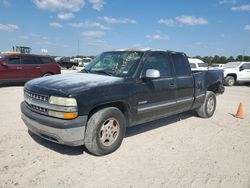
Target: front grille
38	108
36	96
33	100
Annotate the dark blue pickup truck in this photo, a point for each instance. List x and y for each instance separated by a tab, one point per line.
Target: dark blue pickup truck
117	90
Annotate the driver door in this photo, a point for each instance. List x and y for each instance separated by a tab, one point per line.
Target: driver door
244	72
156	96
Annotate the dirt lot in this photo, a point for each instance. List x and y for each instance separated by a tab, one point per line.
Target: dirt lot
180	151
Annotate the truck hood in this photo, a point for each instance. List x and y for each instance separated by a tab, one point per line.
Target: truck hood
66	84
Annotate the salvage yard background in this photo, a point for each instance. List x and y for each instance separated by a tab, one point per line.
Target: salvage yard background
180	151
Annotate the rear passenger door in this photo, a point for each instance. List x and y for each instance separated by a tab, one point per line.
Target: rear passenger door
156	97
184	81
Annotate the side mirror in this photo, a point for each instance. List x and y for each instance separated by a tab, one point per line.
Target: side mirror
241	68
152	74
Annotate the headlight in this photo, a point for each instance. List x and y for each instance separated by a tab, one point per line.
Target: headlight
62	101
66	108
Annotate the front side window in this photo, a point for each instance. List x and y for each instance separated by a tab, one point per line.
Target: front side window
246	66
120	64
160	62
13	61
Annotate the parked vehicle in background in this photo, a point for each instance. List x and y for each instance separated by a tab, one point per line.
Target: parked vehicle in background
86	61
19	50
117	90
216	66
65	62
236	72
24	67
197	64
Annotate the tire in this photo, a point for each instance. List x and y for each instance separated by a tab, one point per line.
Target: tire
110	121
208	107
230	81
47	74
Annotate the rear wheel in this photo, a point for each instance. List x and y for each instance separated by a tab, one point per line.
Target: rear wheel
105	131
208	107
230	81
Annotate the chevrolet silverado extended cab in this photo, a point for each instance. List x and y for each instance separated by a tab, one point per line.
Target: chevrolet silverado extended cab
117	90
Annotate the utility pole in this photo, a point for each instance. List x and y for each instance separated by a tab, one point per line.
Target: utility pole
243	55
78	46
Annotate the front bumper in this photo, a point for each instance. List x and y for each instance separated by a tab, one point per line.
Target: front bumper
67	132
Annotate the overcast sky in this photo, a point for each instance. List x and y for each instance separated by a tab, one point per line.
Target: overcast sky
197	27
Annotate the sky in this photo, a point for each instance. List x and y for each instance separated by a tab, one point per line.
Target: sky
89	27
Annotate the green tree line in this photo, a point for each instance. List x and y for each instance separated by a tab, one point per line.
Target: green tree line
222	59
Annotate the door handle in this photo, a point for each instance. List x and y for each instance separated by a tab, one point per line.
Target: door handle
19	68
171	85
38	67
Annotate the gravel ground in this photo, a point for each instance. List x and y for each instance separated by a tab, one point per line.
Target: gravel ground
180	151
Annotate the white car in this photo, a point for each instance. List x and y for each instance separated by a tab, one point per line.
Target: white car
216	66
197	64
236	72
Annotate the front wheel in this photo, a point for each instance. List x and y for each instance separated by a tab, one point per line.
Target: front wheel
105	131
208	107
230	81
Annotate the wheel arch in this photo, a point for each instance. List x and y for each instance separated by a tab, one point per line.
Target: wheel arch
233	75
48	73
122	106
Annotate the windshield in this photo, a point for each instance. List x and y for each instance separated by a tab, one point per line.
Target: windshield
232	65
120	64
203	64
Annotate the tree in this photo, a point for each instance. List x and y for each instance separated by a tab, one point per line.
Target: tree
223	60
239	58
216	59
231	59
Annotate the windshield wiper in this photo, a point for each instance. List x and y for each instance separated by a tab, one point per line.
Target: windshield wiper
102	72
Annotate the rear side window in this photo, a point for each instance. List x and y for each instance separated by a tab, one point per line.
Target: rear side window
160	62
13	61
45	60
28	60
181	65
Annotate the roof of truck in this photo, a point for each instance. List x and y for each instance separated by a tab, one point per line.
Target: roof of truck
144	50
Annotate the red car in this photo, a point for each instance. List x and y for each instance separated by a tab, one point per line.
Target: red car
24	67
